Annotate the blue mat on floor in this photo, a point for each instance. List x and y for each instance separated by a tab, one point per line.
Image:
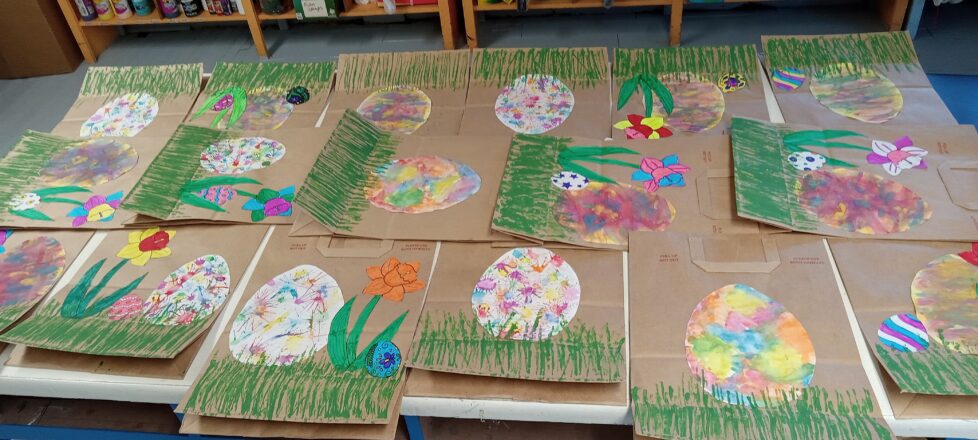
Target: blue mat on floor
960	94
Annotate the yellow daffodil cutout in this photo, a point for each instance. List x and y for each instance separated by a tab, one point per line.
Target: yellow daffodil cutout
639	127
145	245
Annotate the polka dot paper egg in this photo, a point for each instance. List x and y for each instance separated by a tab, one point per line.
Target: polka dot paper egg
806	160
569	181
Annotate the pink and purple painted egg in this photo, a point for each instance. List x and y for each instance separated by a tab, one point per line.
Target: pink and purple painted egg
127	307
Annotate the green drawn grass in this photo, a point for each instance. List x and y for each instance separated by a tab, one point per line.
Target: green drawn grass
20	166
579	353
526	196
576	67
305	391
316	77
764	182
690	412
160	81
711	62
157	193
444	69
888	50
333	190
10	314
99	335
934	371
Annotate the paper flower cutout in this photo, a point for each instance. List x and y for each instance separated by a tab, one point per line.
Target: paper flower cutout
657	173
150	243
394	279
24	201
97	208
270	203
897	156
969	256
297	95
4	235
732	82
638	127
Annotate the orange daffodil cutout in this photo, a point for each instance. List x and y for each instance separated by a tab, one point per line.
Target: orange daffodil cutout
148	244
394	279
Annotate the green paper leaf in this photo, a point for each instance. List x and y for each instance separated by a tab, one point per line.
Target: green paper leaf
647	96
70	308
266	194
577	152
59	190
257	215
336	342
32	214
386	335
90	295
830	134
107	301
193	199
586	172
665	96
843	145
61	200
626	91
838	163
207	182
354	337
611	161
239	105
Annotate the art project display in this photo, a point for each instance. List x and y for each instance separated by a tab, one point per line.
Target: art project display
132	101
872	78
524	313
326	322
406	92
904	182
31	263
666	91
762	357
594	193
372	183
204	174
919	320
535	91
144	293
264	96
48	181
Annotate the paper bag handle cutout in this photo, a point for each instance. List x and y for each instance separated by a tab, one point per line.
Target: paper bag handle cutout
772	259
381	249
962	192
706	197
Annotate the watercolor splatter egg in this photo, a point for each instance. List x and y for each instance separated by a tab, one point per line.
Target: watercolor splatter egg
534	104
124	116
422	184
89	163
858	93
287	319
569	181
402	109
605	213
748	348
526	294
266	110
190	293
698	104
241	155
806	160
28	271
945	296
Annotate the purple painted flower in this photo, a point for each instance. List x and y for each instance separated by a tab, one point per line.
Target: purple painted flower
897	156
97	208
270	203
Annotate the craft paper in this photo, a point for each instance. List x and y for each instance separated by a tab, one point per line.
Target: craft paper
524	313
405	92
693	78
872	78
212	175
349	297
264	96
600	191
870	182
132	101
30	265
533	91
425	383
182	276
51	182
755	312
371	183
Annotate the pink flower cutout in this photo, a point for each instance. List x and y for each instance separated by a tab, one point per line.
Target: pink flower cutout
665	172
897	156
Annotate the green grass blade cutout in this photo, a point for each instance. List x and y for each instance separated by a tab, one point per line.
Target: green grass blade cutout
336	342
62	200
386	335
665	96
32	214
60	190
72	305
595	151
239	105
841	145
648	97
627	90
586	172
77	301
193	199
91	294
353	340
612	162
107	301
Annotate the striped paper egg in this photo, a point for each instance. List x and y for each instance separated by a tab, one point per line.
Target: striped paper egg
904	332
788	78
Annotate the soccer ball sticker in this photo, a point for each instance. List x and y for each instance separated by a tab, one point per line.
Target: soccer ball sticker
806	160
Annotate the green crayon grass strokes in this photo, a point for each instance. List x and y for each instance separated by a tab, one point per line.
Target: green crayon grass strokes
687	63
309	390
317	77
101	336
526	195
20	167
887	50
577	67
426	70
688	411
457	342
160	81
10	314
934	371
333	191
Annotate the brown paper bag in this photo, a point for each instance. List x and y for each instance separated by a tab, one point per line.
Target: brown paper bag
843	182
194	424
270	95
424	383
54	182
919	384
696	78
257	379
794	320
411	92
553	189
213	175
143	293
150	101
176	368
567	94
353	187
873	78
558	317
